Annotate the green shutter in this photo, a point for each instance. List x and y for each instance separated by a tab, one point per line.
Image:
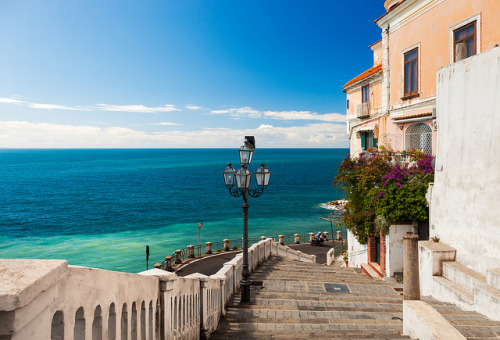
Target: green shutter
375	142
363	140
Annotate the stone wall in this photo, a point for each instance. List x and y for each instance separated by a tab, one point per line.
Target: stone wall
464	203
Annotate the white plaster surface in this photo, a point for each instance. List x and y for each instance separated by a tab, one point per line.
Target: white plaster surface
430	256
394	247
421	321
465	197
356	252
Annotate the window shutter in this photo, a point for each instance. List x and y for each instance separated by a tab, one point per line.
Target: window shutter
460	51
375	142
363	140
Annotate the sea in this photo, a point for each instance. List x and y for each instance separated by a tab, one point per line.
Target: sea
101	207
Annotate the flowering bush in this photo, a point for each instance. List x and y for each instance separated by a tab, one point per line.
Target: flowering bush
376	185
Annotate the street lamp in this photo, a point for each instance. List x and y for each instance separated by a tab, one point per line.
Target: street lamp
238	184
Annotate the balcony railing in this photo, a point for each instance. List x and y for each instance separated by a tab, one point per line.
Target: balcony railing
363	110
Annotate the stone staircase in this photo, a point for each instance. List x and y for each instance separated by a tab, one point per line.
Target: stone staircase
472	325
372	269
469	289
295	300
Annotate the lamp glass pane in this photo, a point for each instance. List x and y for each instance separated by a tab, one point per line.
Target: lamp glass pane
246	155
243	177
229	177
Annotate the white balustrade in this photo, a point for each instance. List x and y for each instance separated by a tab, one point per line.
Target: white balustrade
48	299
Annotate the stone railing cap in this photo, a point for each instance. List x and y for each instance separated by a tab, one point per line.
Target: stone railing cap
201	277
163	275
21	280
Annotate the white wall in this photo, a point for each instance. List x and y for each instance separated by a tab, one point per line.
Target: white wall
466	192
394	248
356	251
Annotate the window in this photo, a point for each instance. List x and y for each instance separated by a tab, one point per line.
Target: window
368	140
419	136
347	103
411	72
365	96
464	41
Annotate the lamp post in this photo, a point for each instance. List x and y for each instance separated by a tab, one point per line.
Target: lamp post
242	178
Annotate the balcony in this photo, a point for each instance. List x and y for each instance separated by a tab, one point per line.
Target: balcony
363	110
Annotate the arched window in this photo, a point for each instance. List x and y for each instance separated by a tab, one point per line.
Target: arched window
57	329
419	136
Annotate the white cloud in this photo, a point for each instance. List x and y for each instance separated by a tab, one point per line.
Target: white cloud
241	112
305	115
21	134
55	107
166	124
10	101
265	126
136	108
282	115
218	112
194	107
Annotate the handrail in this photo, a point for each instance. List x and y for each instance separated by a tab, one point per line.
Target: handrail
200	249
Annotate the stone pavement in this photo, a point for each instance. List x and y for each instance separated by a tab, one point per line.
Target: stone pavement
295	300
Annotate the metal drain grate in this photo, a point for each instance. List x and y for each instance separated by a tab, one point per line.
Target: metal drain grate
336	288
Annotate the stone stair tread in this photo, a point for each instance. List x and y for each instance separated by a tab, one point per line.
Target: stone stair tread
369	271
376	267
309	334
455	287
462	275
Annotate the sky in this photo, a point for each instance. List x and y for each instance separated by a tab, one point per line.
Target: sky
180	74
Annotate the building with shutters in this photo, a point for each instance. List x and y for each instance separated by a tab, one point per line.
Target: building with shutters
392	104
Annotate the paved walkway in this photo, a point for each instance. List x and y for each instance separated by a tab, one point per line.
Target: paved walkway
296	300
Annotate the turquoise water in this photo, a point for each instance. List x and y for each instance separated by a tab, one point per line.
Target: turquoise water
100	208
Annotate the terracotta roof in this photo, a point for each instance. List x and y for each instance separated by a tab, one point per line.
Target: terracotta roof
413	116
364	75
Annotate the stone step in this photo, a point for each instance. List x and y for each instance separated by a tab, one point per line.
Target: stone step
313	316
369	271
462	276
446	288
489	298
300	298
368	281
375	266
311	333
470	324
493	278
328	305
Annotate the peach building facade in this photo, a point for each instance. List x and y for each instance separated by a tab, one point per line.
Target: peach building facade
393	104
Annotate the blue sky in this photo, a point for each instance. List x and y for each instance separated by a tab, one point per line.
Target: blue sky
183	73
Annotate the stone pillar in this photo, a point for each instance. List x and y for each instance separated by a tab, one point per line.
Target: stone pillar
191	251
226	244
382	253
281	239
168	262
209	247
339	235
372	249
326	235
178	256
311	237
297	238
411	281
